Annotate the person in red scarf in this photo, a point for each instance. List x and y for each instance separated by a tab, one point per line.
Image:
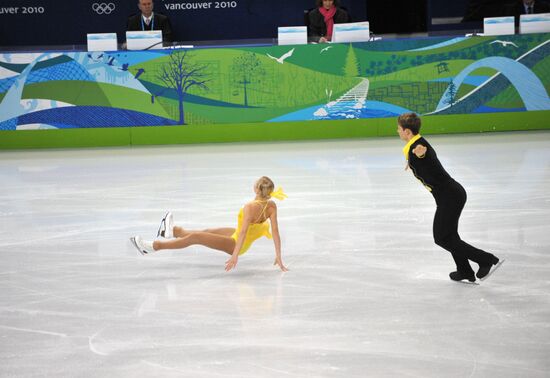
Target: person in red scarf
323	18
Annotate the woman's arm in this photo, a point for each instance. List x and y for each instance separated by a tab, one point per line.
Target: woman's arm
276	239
232	262
317	27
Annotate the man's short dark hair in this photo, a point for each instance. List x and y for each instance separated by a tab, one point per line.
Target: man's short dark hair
410	121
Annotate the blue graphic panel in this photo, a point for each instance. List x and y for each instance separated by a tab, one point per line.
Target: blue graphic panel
92	116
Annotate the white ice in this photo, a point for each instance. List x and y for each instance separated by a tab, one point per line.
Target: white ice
367	294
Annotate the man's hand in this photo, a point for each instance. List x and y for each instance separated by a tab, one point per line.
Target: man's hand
279	262
420	151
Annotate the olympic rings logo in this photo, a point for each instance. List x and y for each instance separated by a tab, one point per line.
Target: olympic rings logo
103	8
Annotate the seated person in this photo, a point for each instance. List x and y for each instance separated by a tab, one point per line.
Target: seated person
323	18
520	7
147	20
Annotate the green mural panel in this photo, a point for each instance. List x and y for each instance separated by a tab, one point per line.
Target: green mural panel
456	84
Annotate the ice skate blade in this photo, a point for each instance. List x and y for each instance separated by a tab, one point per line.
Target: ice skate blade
133	240
162	228
493	269
466	282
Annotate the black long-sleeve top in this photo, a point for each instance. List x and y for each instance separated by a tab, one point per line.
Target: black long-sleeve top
428	169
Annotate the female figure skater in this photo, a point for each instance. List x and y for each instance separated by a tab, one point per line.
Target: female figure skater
251	225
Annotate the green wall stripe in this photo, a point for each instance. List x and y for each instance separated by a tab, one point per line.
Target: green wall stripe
279	131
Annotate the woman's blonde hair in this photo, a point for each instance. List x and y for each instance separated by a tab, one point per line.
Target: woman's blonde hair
264	187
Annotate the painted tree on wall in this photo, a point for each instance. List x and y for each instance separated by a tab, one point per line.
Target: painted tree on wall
351	67
180	73
247	70
451	94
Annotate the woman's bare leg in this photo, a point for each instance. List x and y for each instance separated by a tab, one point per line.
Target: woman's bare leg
180	232
216	241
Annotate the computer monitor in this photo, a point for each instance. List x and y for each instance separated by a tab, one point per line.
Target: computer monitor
534	23
292	35
351	32
144	40
498	26
102	42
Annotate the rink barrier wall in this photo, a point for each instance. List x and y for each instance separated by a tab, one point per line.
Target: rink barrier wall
264	132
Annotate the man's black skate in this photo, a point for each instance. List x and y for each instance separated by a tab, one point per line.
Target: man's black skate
460	276
485	271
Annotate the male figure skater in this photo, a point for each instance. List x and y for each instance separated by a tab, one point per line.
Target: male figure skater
450	198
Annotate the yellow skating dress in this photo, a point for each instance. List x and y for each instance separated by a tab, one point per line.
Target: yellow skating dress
256	230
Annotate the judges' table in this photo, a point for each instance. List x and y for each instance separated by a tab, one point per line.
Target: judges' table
458	84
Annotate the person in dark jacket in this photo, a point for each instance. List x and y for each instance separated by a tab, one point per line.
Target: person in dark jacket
148	20
323	18
528	7
519	7
450	198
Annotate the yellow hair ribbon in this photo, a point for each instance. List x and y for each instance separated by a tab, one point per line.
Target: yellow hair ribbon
279	194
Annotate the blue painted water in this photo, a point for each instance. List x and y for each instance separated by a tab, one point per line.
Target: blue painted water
344	110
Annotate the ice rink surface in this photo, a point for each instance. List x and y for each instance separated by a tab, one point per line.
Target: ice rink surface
367	294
